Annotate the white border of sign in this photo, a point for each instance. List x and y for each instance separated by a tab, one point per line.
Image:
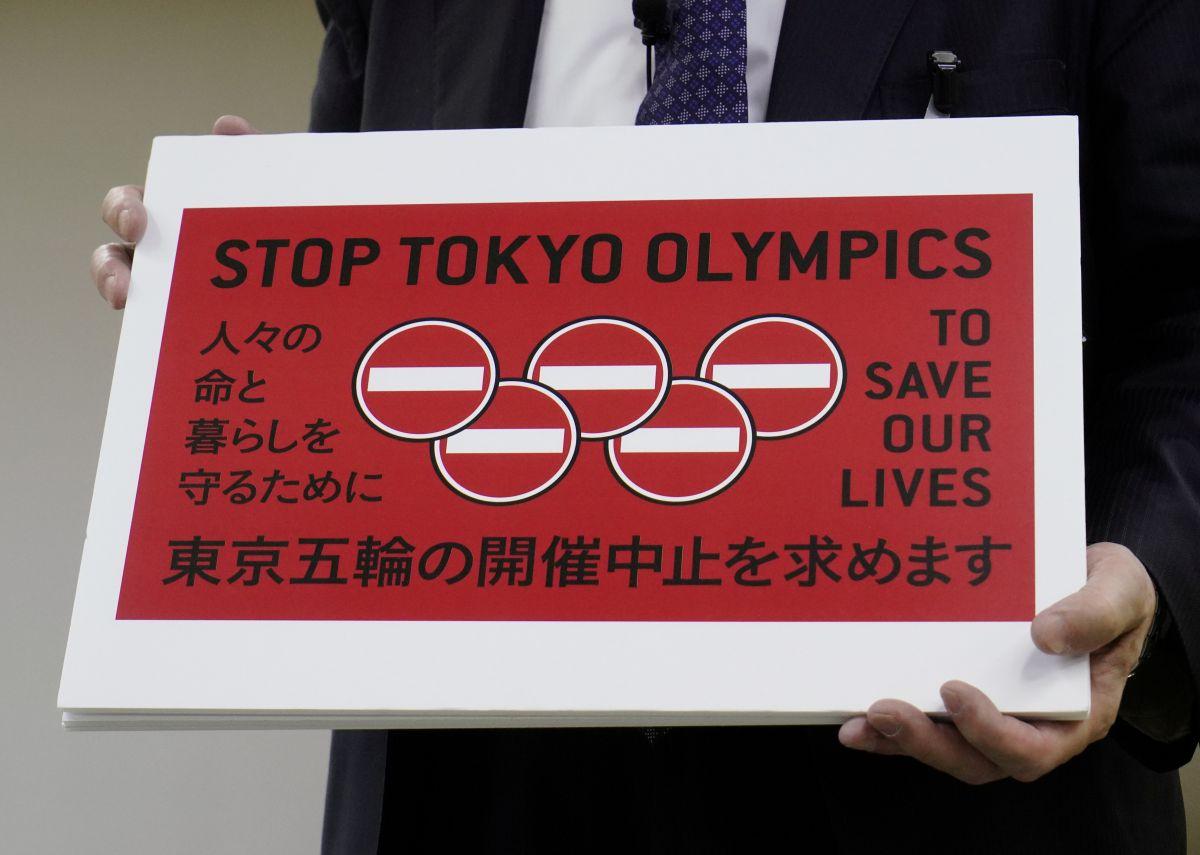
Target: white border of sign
124	673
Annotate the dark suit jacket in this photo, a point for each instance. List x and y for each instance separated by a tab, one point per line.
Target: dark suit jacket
1130	69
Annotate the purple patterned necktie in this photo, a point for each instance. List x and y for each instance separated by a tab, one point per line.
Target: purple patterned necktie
700	70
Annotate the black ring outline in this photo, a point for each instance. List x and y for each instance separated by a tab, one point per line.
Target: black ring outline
358	365
837	347
501	502
666	375
749	459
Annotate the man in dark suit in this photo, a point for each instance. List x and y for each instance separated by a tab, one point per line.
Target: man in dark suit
1130	69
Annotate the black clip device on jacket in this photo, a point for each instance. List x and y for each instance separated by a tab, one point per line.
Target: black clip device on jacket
651	17
943	68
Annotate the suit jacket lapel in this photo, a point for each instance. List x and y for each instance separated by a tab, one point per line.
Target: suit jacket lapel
483	58
829	57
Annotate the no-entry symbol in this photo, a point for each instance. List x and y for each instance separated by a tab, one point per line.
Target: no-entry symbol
697	444
613	373
520	447
425	379
789	372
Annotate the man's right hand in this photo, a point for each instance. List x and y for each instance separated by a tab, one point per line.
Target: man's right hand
125	214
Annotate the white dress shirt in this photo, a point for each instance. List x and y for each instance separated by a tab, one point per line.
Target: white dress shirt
590	67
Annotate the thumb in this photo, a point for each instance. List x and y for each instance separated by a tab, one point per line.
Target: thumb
1117	598
233	126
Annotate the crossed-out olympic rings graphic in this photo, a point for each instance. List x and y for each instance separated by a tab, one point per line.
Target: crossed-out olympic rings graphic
667	439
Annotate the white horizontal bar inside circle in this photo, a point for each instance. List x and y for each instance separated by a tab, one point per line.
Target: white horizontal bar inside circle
426	378
506	441
774	375
682	440
598	377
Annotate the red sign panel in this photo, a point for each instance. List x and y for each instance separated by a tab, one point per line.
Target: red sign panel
757	409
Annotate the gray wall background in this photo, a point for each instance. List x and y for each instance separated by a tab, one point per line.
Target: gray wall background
83	89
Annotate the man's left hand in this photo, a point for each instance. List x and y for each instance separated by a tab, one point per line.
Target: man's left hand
1108	618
